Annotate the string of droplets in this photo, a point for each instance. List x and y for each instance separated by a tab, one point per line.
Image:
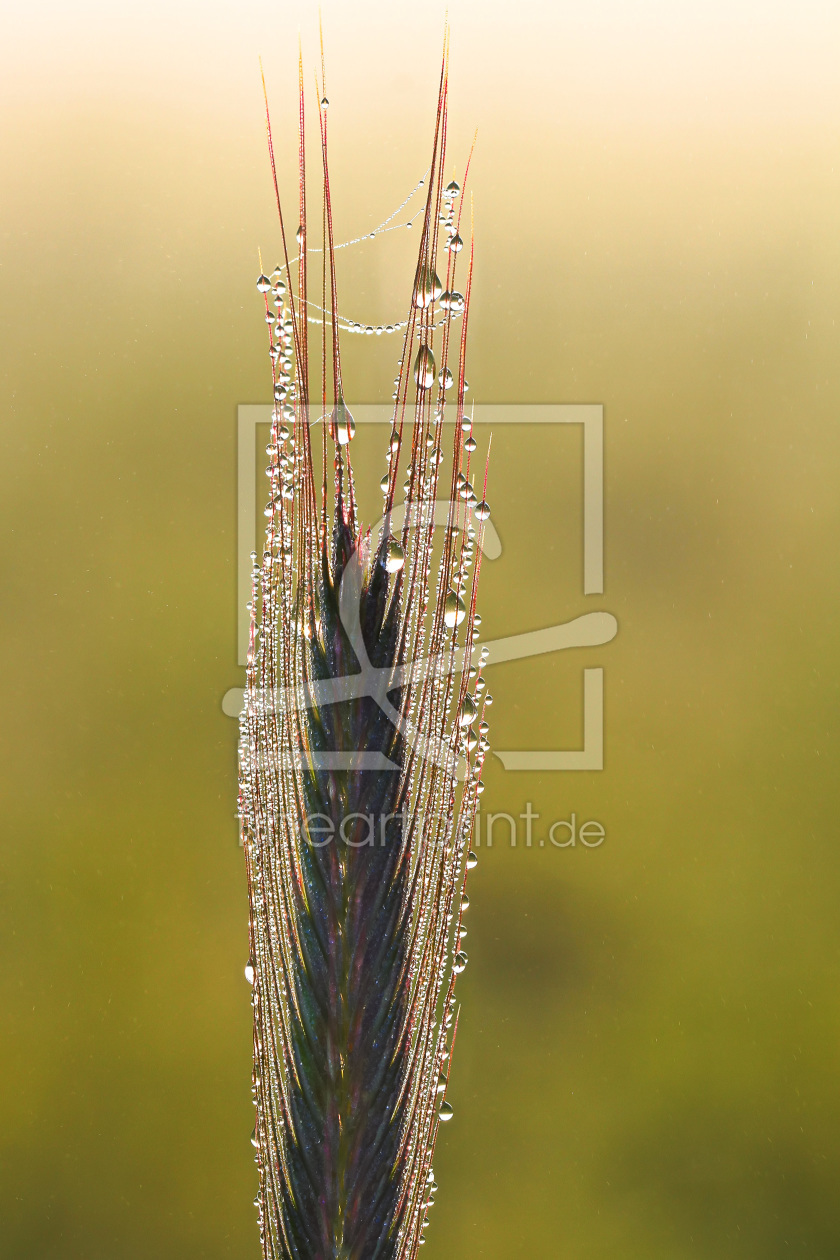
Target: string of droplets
447	301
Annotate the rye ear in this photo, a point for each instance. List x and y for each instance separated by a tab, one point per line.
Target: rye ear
361	749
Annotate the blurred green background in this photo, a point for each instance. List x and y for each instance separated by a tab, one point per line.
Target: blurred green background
647	1060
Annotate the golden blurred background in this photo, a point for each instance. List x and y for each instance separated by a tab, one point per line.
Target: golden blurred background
647	1060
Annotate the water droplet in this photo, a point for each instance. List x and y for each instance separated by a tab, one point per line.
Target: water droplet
299	235
468	712
472	861
428	288
465	902
456	244
445	299
441	1085
445	379
456	301
482	510
383	485
479	787
342	424
460	962
424	368
488	699
254	1141
454	611
483	728
324	103
250	971
394	555
470	444
466	424
446	1112
263	284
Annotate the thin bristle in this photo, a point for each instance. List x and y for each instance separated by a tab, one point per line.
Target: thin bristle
360	764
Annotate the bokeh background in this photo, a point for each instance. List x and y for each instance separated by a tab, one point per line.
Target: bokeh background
647	1062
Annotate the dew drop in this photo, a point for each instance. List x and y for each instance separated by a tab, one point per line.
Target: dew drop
254	1141
383	485
250	971
342	423
446	1112
445	379
456	244
472	861
299	235
428	288
456	301
324	103
482	510
445	299
460	962
424	368
394	555
441	1088
468	712
452	189
263	284
470	444
454	611
465	902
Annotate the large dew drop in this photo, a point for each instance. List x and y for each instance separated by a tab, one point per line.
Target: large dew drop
446	1112
454	611
394	557
468	712
343	424
429	288
424	368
